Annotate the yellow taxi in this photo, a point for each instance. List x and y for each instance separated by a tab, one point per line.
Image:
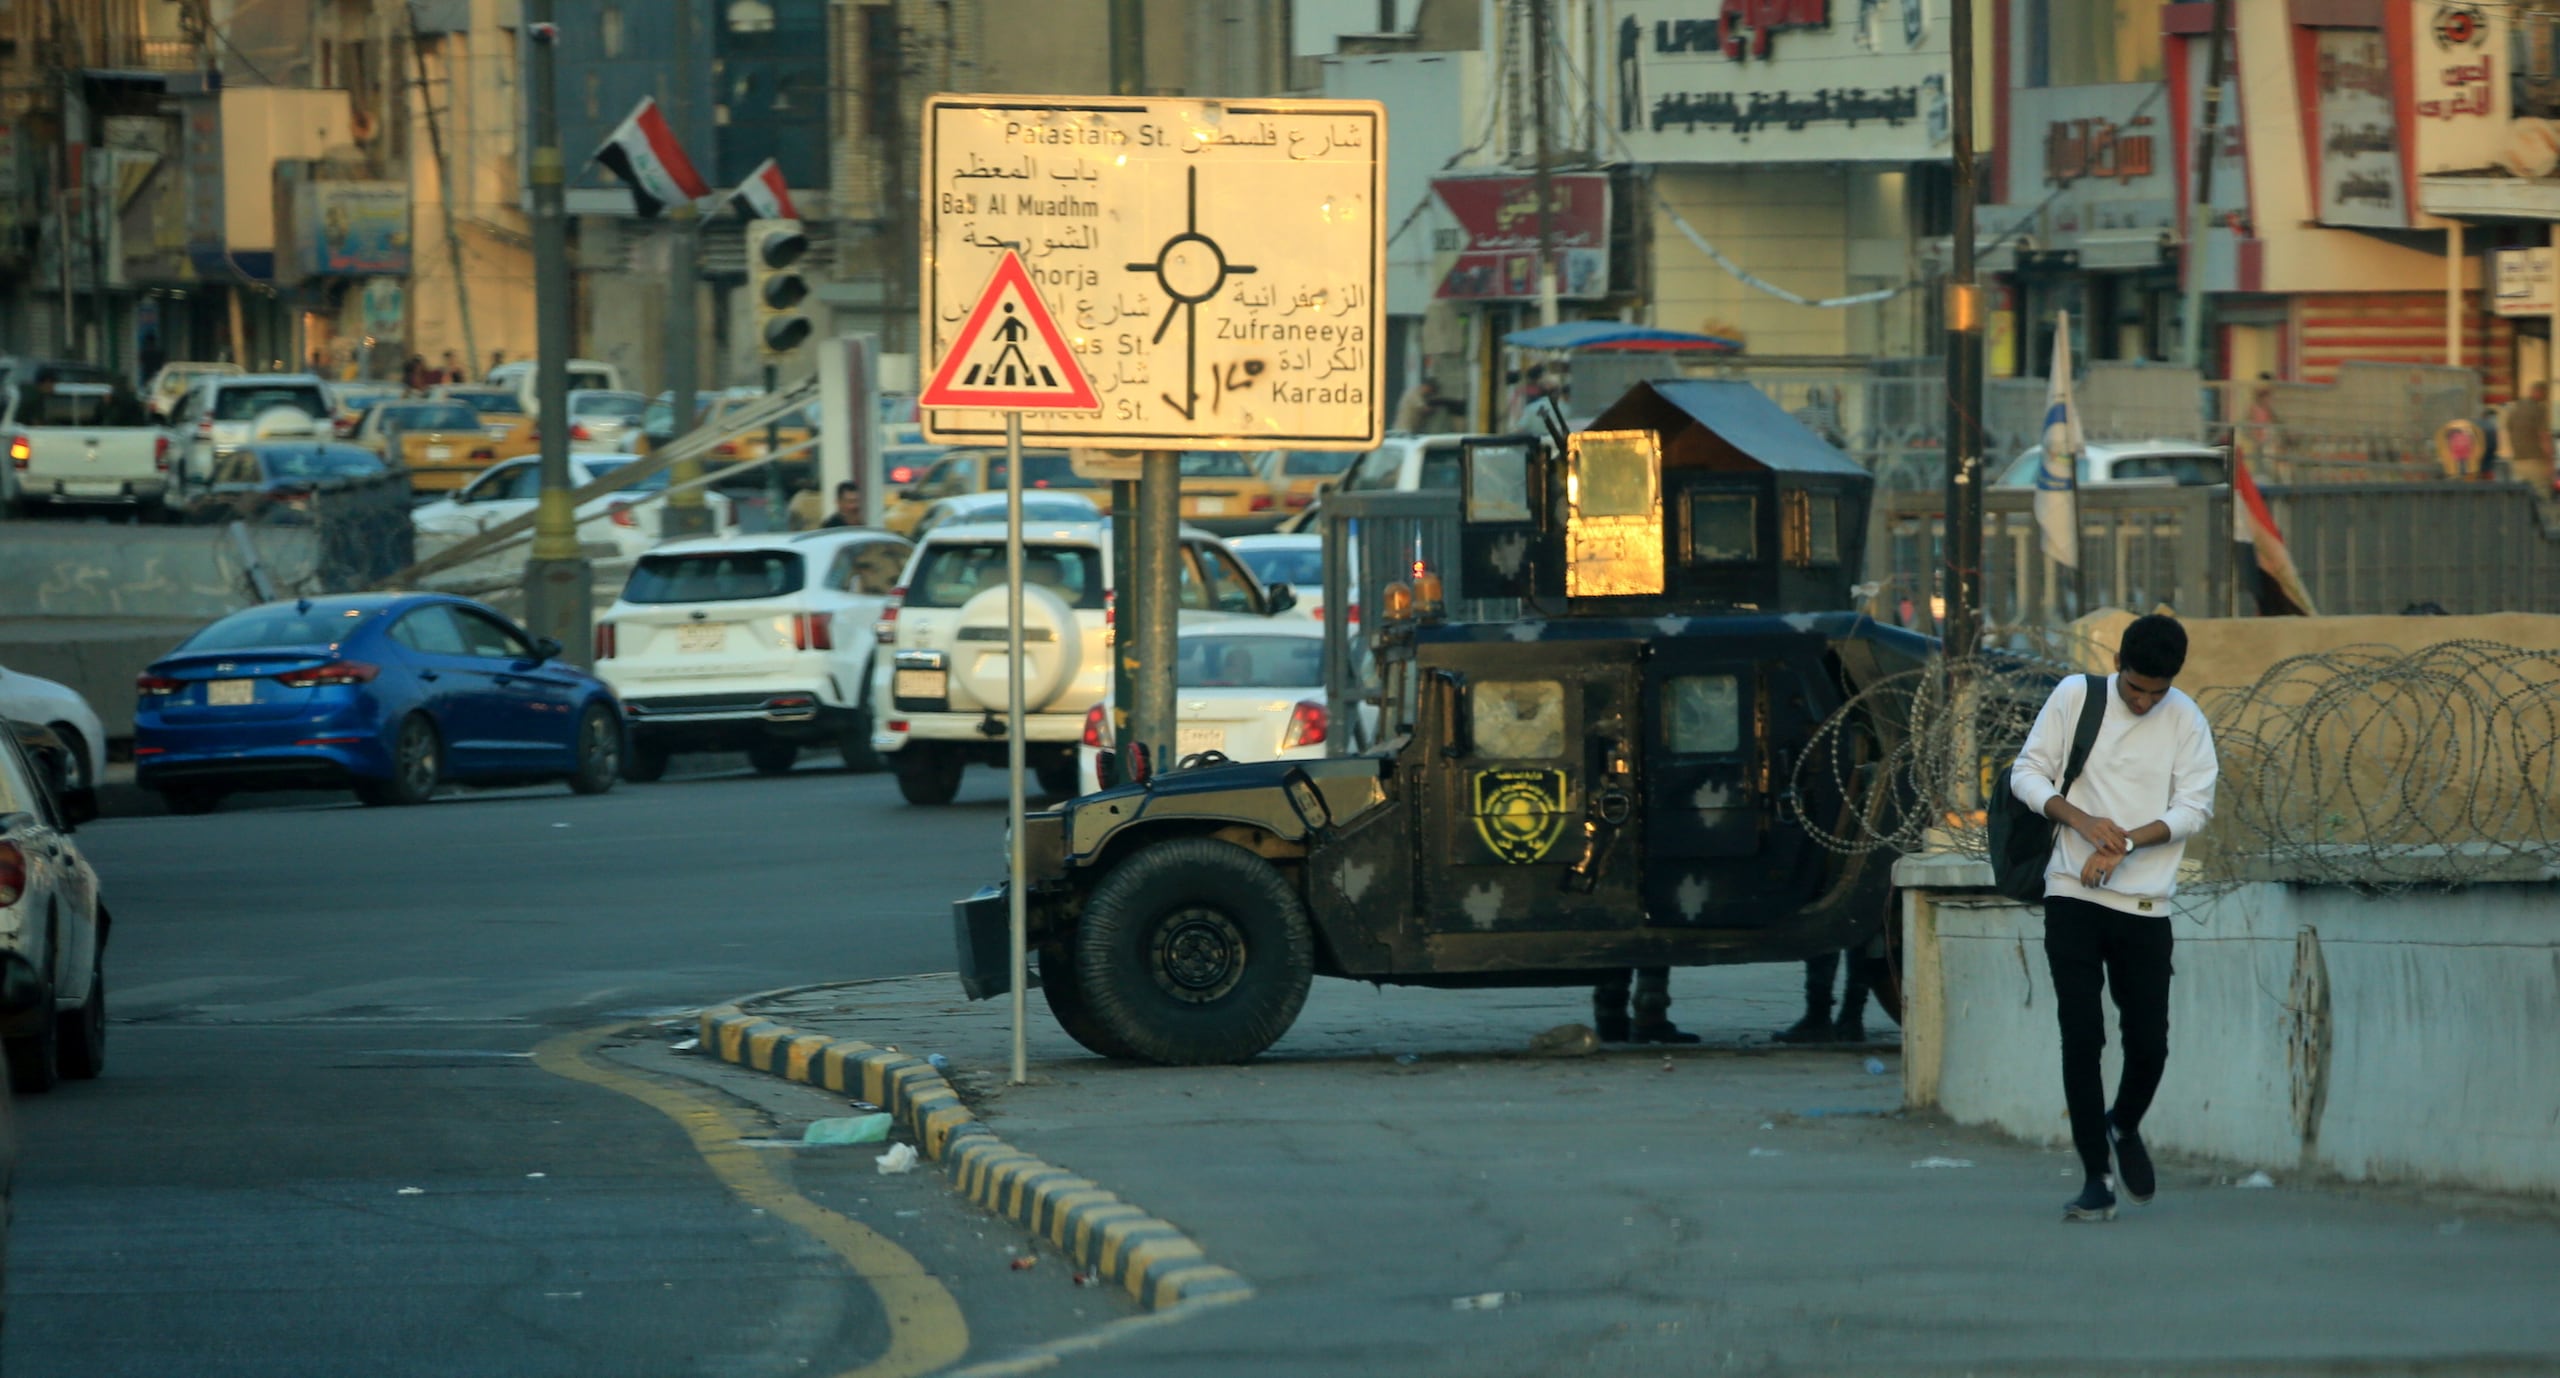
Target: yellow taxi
1221	493
1300	476
983	471
443	445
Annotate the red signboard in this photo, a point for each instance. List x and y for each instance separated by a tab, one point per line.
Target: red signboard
1498	217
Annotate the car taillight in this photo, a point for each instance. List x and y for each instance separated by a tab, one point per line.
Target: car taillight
580	432
887	627
1261	503
335	672
729	451
1297	499
607	641
204	429
160	454
158	685
485	456
902	473
1093	719
13	873
1306	726
1110	608
813	631
21	451
624	516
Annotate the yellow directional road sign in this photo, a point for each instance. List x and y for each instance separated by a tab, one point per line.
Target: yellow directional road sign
1217	266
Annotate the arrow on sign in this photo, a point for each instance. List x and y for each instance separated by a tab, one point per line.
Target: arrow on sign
1010	354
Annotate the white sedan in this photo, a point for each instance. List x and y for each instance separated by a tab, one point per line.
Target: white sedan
1252	691
29	699
53	931
1294	558
622	520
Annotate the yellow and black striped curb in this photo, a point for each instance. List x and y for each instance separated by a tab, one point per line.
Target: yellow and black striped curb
1112	1239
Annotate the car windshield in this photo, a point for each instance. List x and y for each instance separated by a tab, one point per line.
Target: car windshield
82	405
318	461
1378	469
952	573
430	418
1250	662
1315	463
1040	469
1214	464
714	576
620	405
246	403
490	403
599	466
1284	564
310	622
2202	468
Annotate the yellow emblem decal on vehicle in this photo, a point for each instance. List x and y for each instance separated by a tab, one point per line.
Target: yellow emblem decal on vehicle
1520	813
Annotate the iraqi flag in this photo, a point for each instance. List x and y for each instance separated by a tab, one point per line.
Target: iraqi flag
2279	585
2058	481
764	195
643	152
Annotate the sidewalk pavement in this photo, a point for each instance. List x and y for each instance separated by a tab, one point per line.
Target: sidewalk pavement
1409	1192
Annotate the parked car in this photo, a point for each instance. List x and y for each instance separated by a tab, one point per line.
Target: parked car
279	481
524	376
658	421
1251	691
623	521
605	423
758	643
944	677
32	699
1408	464
1221	492
441	444
983	471
53	927
2158	463
392	695
85	445
1037	506
902	463
1294	559
228	411
351	410
174	381
501	411
1299	475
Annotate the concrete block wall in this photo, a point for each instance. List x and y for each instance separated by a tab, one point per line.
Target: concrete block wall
2403	1038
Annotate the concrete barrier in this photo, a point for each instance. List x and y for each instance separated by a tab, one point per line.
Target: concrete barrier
2409	1038
97	657
84	569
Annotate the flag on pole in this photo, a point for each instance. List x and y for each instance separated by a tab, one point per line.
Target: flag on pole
2279	587
643	152
2058	482
764	195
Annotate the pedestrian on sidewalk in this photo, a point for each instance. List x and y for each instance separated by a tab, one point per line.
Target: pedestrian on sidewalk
2109	883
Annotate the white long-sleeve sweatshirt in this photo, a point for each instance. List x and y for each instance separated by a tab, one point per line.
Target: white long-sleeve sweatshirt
2149	767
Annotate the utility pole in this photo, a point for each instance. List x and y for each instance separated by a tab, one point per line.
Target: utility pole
2200	214
688	514
1128	78
557	591
444	175
1539	38
1962	576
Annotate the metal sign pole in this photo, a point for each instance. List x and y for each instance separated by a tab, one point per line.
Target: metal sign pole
1015	747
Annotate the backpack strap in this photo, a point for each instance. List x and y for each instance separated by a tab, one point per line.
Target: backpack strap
2093	711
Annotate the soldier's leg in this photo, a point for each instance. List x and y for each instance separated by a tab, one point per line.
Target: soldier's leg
1653	1008
1850	1025
1815	1026
1609	1006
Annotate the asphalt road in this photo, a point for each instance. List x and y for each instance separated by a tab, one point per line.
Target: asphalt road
357	1116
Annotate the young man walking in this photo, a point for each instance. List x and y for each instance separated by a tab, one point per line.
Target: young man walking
2146	788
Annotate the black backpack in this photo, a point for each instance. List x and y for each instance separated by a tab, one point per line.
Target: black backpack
2021	838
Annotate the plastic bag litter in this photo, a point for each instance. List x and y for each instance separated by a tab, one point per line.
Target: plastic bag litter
899	1158
413	1191
1768	1153
2256	1181
1566	1040
1875	1066
856	1129
1934	1161
939	1063
688	1045
1484	1301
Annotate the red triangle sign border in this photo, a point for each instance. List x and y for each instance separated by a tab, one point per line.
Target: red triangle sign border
946	392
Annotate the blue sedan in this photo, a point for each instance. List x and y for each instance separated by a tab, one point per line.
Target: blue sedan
391	694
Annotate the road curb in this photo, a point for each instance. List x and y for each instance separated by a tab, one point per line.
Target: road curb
1115	1241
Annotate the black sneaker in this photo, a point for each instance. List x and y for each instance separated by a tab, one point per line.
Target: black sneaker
1850	1030
2094	1202
2133	1165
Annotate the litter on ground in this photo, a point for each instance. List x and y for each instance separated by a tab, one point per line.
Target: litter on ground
899	1158
1934	1161
856	1129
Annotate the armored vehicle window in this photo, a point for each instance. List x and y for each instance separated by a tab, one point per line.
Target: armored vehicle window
1706	715
1812	535
1724	528
1498	485
1516	720
1613	480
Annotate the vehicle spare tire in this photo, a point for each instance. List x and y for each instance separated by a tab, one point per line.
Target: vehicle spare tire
1052	649
1193	951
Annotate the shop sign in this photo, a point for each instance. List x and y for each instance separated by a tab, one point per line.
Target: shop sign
2360	179
356	229
1775	81
2099	158
202	157
1498	217
2462	92
2522	282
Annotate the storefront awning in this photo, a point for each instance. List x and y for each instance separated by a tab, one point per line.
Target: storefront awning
2490	198
1617	335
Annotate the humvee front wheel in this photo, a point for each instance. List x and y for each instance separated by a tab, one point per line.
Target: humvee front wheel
1065	994
1193	951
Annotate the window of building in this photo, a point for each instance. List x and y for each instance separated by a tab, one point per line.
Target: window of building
2092	42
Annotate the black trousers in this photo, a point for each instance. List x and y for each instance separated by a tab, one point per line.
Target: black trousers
2092	948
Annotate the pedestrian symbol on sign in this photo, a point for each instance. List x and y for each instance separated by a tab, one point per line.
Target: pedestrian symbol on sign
1010	355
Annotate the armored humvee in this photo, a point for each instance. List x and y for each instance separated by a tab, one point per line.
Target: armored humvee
1610	780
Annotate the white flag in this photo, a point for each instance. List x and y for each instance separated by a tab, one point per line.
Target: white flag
2057	483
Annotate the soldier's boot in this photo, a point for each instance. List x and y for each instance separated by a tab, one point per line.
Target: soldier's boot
1851	1026
1609	1008
1653	1009
1815	1027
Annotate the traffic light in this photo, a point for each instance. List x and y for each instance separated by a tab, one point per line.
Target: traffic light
773	247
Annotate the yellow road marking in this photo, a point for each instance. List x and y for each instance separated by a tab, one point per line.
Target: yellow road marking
926	1330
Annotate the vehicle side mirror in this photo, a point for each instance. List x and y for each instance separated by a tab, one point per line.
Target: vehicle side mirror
1277	599
546	648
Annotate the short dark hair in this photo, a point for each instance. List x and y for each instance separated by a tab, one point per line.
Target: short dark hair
848	486
2155	645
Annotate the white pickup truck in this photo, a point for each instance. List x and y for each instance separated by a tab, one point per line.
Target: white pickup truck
83	444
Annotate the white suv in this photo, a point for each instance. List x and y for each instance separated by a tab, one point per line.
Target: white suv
754	643
941	680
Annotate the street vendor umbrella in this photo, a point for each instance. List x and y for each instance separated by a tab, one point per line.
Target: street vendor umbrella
1617	335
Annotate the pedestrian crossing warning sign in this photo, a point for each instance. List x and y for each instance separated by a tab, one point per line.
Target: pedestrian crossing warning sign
1009	354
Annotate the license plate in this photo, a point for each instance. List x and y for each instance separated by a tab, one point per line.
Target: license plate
1213	507
231	693
1188	740
699	639
435	452
921	684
